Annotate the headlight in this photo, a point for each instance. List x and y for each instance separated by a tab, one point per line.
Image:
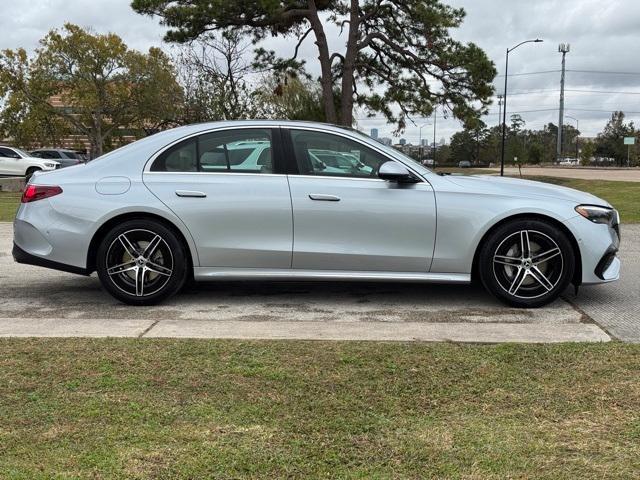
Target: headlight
50	165
597	214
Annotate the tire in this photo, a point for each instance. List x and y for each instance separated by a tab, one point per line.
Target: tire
531	280
142	262
29	173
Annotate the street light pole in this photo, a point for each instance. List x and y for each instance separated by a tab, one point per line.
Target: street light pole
504	105
420	138
435	118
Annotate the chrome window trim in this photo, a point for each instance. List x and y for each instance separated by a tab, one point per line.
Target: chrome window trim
147	166
226	174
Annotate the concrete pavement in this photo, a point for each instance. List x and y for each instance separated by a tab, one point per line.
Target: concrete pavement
41	302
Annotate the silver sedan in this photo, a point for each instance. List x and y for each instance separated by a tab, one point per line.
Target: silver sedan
248	200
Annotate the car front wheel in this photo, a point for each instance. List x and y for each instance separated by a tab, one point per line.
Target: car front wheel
141	262
526	263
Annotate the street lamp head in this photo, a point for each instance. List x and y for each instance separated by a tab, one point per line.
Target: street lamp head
538	40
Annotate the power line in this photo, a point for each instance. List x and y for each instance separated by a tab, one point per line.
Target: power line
530	73
542	92
604	72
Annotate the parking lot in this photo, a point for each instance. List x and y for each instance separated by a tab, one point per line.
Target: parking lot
40	302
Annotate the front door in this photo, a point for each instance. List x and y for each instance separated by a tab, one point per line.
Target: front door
226	188
346	218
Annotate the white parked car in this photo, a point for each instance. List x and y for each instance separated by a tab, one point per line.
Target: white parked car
18	163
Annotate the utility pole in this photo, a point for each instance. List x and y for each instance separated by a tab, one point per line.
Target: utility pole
563	48
499	108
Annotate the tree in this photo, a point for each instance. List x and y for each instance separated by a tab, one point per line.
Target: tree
214	73
92	83
610	142
469	143
587	152
399	59
290	97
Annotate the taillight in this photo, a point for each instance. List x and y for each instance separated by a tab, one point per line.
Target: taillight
38	192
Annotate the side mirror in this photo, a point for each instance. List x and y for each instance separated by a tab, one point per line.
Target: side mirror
394	172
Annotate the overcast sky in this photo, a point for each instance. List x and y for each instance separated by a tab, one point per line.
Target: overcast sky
604	36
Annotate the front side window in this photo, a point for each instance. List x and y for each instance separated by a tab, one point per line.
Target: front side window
319	153
240	151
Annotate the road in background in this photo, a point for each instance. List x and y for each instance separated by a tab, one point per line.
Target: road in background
616	175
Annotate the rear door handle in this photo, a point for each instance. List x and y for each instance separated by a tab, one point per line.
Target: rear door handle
324	198
190	193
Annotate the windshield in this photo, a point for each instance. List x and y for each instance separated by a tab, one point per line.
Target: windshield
22	153
72	155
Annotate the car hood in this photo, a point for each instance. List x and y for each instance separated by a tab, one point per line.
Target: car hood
524	188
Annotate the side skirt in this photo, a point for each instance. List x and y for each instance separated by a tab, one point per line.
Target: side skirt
213	273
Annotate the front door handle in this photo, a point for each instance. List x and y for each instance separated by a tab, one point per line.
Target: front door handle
190	193
324	198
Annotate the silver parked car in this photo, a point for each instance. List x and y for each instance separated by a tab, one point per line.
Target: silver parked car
65	157
249	200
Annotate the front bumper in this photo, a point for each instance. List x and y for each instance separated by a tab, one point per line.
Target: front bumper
599	245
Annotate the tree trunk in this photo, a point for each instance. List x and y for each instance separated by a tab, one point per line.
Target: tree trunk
326	79
346	114
96	139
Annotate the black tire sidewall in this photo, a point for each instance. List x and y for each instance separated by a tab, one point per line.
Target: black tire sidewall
30	171
485	261
180	264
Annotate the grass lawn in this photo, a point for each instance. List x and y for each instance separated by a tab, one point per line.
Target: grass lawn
625	196
127	408
9	202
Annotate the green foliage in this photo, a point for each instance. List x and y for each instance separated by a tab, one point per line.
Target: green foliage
399	59
610	143
588	150
100	84
291	98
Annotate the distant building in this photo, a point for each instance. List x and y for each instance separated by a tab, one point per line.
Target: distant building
385	140
374	133
403	141
424	142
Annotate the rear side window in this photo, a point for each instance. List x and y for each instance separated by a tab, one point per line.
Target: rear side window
241	151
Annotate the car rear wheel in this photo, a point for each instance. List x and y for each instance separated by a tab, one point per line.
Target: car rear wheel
526	263
141	262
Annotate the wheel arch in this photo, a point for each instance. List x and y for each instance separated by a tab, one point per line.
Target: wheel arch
577	274
113	221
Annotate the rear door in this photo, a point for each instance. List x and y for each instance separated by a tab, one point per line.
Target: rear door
349	219
230	190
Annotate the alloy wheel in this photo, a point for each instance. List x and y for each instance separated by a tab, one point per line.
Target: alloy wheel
528	264
139	262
